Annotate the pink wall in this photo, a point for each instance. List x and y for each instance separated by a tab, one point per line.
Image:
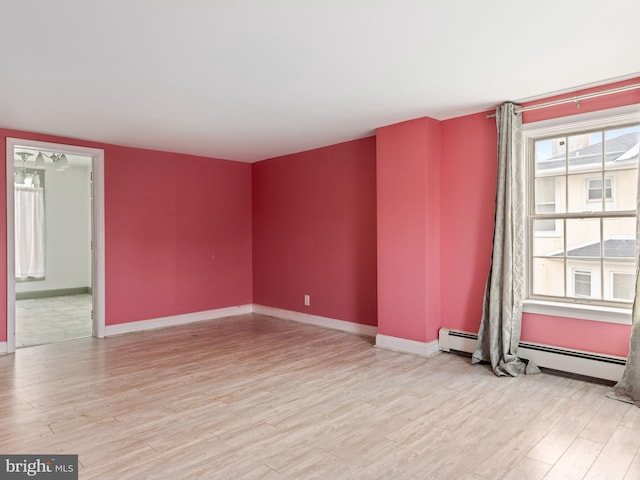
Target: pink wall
178	232
314	230
468	196
408	178
468	204
608	338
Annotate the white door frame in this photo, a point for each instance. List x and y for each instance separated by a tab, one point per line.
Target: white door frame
97	218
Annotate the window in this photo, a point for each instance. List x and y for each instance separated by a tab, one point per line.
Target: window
582	215
582	283
594	189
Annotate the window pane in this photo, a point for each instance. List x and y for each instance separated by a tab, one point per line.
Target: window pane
550	156
548	240
623	288
584	278
583	238
619	251
585	164
595	191
548	276
621	164
619	238
618	280
585	152
621	147
545	190
624	185
585	192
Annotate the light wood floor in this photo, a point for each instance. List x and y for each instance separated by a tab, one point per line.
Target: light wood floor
257	397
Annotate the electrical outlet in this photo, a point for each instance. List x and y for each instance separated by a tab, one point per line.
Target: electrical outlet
307	300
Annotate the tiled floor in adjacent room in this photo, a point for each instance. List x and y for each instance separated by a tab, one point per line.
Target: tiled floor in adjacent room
53	319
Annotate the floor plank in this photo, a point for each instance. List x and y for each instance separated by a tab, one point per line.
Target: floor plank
616	457
576	461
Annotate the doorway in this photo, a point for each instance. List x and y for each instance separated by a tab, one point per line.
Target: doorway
61	297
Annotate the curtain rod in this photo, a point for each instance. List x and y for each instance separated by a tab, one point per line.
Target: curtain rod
575	99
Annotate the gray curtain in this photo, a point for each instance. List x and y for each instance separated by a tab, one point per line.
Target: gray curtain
628	388
499	332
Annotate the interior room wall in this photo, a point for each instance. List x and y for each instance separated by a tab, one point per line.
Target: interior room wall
178	234
408	225
314	231
68	230
468	192
177	227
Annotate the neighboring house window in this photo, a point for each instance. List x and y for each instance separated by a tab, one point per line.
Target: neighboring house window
582	283
582	215
623	286
594	189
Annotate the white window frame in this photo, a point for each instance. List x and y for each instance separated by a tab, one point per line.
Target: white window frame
604	119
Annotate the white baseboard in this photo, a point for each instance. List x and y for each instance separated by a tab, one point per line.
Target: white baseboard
424	349
155	323
3	348
319	321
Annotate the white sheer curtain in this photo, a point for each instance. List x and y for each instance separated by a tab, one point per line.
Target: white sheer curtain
29	232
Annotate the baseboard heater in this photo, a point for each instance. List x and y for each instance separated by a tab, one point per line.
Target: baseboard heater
596	365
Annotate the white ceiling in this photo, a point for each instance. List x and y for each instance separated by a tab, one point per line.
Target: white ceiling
253	79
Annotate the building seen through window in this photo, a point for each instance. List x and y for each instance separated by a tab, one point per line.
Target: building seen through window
582	216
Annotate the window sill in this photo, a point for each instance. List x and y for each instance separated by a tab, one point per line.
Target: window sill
594	313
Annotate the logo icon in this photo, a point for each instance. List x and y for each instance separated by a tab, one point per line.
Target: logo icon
50	467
